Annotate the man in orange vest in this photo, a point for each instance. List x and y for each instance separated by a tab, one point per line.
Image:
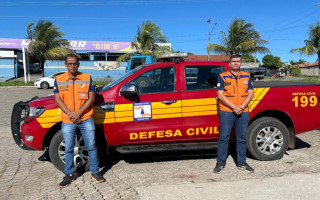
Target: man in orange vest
74	94
235	91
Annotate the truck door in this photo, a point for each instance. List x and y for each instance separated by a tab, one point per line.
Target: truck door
155	114
199	103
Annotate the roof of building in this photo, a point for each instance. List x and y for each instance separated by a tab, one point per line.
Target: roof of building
218	58
315	64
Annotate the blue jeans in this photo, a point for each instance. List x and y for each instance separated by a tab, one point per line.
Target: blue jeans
69	132
227	120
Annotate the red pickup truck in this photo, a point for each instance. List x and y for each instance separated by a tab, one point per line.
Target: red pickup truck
171	106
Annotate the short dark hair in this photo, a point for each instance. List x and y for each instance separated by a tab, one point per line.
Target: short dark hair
235	56
71	55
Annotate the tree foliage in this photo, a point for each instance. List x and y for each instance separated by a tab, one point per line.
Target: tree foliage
148	34
312	46
46	42
241	38
300	61
271	62
248	58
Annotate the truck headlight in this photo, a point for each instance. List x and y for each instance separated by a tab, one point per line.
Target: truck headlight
35	111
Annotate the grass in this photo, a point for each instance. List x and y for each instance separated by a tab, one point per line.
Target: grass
100	83
307	79
22	83
16	83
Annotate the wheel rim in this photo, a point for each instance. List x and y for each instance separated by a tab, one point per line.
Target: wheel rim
44	85
81	156
269	140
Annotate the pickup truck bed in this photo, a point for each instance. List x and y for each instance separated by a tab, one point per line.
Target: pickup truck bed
259	84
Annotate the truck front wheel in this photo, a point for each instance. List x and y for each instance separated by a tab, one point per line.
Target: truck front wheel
267	139
57	152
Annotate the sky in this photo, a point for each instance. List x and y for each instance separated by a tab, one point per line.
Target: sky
284	23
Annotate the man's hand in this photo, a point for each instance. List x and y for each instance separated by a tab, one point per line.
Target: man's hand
75	117
237	110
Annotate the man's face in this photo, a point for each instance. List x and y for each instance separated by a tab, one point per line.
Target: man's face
235	63
72	65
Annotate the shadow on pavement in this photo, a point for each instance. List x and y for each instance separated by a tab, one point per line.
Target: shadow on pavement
168	156
45	156
300	144
107	162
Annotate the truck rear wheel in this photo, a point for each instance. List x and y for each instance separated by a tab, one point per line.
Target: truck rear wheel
267	139
81	157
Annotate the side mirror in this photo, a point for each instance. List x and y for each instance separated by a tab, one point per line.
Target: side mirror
128	90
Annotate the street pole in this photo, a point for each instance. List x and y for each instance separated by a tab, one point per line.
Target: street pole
208	21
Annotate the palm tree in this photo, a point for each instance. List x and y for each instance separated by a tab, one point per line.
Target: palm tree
313	44
148	34
46	42
241	38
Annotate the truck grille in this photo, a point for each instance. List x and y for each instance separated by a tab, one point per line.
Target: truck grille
19	113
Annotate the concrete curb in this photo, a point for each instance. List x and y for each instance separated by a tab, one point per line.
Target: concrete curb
18	87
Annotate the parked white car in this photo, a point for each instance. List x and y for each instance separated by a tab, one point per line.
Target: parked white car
46	82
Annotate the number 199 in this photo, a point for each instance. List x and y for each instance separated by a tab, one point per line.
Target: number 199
304	101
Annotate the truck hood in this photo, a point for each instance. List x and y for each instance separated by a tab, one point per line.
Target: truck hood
42	101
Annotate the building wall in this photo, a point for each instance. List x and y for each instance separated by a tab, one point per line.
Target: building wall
310	71
247	65
6	69
97	69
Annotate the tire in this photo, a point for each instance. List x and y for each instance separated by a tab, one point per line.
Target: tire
44	85
81	157
267	139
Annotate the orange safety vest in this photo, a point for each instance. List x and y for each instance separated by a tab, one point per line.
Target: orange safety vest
235	90
74	93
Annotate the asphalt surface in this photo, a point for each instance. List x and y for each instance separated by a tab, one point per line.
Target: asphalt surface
179	175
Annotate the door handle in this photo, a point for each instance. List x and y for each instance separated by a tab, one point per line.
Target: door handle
169	102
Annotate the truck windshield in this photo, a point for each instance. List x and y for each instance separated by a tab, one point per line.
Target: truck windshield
121	78
135	62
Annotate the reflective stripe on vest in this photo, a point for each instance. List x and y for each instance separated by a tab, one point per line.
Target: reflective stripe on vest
235	90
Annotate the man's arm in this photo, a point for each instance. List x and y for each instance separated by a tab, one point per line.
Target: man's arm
250	95
61	105
247	100
58	100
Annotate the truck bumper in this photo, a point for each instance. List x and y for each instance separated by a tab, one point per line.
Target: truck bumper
19	113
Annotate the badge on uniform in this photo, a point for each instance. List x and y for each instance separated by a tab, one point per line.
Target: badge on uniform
64	88
82	85
83	94
245	82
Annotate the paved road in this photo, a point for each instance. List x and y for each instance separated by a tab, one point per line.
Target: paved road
23	176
